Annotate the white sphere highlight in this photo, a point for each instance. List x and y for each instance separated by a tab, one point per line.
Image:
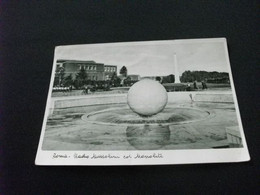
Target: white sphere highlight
147	97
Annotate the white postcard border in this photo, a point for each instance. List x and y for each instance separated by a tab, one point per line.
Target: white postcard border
148	157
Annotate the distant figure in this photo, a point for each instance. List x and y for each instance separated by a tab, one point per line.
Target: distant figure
204	85
195	85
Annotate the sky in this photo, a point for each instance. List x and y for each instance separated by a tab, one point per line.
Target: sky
153	58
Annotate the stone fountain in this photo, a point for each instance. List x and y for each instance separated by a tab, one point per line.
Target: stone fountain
147	121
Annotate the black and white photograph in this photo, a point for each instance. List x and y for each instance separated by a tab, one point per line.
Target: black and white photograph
142	101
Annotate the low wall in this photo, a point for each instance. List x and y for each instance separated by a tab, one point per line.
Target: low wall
214	97
90	100
74	101
173	97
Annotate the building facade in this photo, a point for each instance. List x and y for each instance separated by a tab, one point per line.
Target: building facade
109	70
95	71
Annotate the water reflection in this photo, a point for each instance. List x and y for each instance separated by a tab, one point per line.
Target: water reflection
148	137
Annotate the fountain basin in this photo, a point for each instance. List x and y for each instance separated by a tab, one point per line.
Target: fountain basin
107	123
170	116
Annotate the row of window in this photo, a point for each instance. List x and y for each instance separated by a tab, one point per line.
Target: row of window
110	69
107	69
85	67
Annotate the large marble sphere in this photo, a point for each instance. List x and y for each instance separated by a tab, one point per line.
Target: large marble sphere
147	97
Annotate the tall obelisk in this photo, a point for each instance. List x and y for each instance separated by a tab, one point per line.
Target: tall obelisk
176	72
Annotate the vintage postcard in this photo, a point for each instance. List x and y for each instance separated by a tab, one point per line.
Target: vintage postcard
142	103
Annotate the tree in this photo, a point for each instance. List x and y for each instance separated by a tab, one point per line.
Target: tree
81	78
115	80
56	81
123	71
127	81
68	81
59	76
169	79
113	77
191	76
158	79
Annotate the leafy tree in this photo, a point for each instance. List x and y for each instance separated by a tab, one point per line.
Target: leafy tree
59	76
127	81
158	79
169	79
123	71
56	81
215	77
115	80
81	78
113	77
68	81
